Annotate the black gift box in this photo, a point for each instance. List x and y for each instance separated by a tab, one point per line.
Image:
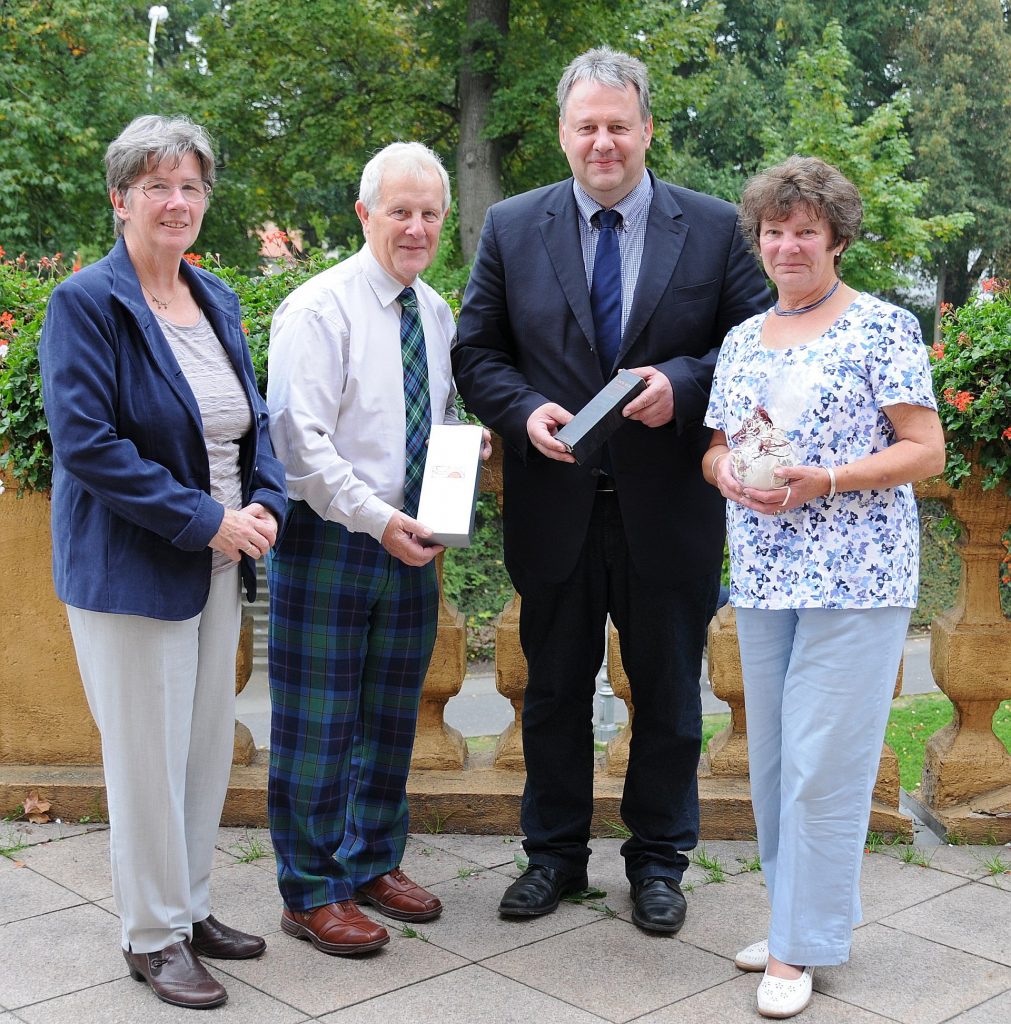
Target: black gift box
601	416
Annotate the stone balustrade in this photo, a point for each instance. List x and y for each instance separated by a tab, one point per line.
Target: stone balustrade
966	783
49	742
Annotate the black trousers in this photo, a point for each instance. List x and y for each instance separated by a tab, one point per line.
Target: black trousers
662	631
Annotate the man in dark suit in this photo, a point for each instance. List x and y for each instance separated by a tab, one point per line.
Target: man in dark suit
634	532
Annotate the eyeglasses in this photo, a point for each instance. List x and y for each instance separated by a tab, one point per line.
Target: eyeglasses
192	191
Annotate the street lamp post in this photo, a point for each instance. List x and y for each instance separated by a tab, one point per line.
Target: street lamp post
157	15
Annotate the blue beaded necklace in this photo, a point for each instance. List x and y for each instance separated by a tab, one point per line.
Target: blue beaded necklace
806	309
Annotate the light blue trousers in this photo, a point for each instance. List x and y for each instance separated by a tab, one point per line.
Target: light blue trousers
818	685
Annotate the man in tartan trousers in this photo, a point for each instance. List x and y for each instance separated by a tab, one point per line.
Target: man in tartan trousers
359	371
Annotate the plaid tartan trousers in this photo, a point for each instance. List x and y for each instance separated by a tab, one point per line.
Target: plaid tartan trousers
351	634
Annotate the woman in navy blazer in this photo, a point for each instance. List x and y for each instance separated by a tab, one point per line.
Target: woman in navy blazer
165	490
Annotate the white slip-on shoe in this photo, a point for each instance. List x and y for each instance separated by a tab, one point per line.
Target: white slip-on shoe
780	997
754	958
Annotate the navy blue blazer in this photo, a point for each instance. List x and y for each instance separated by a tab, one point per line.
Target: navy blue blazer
525	337
131	508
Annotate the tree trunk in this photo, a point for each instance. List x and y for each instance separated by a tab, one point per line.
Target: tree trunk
478	159
942	274
959	278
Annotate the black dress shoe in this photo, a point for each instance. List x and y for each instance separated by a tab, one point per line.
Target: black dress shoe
538	890
219	942
658	905
176	976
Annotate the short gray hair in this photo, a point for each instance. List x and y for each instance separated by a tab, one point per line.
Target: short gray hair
605	66
409	157
802	181
148	140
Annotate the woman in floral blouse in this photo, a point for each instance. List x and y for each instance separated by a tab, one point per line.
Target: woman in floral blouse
824	568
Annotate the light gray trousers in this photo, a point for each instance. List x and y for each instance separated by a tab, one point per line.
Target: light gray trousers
818	686
163	696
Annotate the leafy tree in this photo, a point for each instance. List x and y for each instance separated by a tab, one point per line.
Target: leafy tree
506	63
73	74
299	96
742	91
874	155
957	63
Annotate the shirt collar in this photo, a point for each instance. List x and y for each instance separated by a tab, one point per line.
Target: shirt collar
631	208
386	287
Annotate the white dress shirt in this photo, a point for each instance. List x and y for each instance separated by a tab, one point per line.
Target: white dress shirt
336	390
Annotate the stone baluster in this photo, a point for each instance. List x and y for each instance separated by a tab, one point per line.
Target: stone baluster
510	663
617	746
436	744
728	749
243	747
966	780
511	682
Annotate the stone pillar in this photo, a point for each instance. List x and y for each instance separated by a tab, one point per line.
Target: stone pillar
966	769
436	744
511	682
243	748
728	749
617	746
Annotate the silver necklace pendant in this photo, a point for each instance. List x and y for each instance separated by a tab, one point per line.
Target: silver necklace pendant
806	309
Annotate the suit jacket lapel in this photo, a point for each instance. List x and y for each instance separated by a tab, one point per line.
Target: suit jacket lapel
666	232
560	231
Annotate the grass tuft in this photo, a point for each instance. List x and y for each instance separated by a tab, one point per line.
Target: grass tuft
910	854
248	849
715	871
996	865
11	843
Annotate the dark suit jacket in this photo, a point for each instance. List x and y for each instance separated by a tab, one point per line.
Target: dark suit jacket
132	511
525	337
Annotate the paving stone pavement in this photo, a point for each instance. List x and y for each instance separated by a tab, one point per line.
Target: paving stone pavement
935	944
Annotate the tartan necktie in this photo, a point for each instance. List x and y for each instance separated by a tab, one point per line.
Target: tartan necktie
605	292
417	404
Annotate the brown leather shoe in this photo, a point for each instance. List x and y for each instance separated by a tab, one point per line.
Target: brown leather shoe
219	942
176	976
397	896
339	929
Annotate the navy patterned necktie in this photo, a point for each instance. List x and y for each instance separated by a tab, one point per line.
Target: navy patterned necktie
417	404
605	292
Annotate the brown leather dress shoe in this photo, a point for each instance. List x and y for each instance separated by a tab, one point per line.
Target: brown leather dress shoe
176	976
339	929
213	939
395	895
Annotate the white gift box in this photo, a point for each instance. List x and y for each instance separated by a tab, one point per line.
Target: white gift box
449	486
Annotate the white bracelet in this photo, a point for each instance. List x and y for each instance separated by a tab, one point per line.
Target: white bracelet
831	482
712	465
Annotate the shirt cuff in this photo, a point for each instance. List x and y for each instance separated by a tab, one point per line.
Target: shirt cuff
372	517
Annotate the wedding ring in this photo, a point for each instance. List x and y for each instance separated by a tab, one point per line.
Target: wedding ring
787	498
